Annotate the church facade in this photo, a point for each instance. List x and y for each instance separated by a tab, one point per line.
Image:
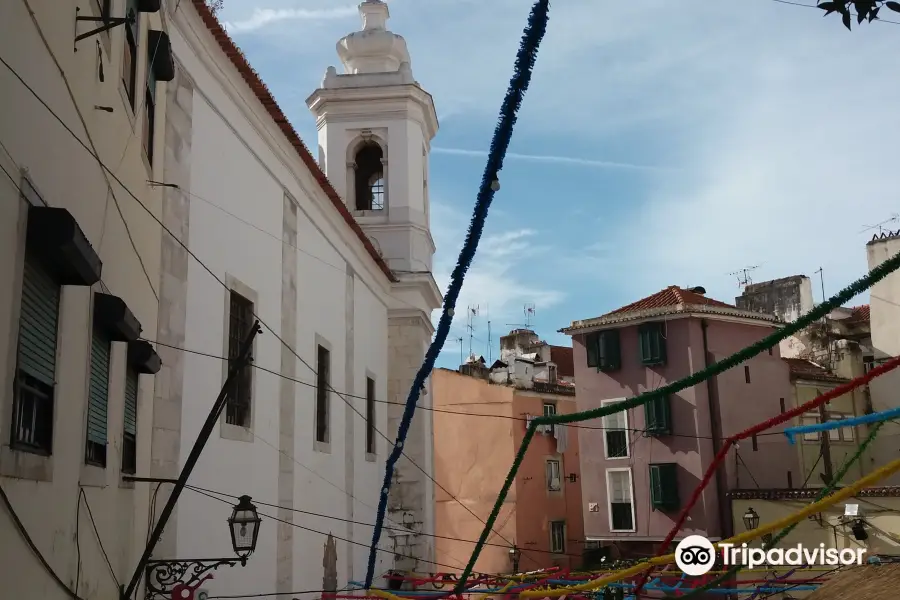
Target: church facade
331	249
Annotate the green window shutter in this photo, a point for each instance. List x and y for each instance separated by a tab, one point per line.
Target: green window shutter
98	398
652	344
658	416
664	486
38	323
131	396
609	351
592	347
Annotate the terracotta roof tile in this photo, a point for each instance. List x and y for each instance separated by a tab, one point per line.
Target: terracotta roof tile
801	368
564	359
262	93
671	296
860	314
866	582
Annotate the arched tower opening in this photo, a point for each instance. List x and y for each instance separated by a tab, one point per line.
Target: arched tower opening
369	182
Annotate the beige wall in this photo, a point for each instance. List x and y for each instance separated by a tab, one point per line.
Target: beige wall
882	515
472	456
884	304
44	492
852	404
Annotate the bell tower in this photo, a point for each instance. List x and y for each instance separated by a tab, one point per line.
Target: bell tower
375	125
375	128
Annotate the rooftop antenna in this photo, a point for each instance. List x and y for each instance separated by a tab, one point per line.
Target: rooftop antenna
821	273
471	315
490	349
743	275
461	359
880	226
529	310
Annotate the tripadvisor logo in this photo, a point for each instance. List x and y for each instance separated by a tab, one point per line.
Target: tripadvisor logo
695	555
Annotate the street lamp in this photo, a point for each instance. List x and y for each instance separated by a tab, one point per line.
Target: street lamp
244	524
751	522
179	579
751	519
514	555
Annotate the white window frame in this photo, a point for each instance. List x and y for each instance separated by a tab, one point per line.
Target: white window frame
549	474
561	549
549	429
603	404
843	434
810	419
609	499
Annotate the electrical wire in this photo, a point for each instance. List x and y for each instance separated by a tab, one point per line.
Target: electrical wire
217	278
34	549
751	431
429	408
802	5
93	149
87	505
365	524
322	533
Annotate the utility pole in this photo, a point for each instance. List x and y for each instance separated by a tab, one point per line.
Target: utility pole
237	364
825	332
825	445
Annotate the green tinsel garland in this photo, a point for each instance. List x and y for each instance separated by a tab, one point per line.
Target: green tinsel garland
857	287
835	481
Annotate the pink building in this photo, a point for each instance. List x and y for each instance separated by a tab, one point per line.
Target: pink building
640	466
480	416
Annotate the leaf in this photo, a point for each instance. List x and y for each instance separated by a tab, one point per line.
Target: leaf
829	7
874	14
894	6
846	20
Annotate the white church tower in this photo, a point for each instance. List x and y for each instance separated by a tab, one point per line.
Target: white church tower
375	127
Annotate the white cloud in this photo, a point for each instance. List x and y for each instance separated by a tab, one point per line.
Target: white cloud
262	17
778	120
549	158
504	275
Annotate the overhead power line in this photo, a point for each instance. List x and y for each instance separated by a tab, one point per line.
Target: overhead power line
218	279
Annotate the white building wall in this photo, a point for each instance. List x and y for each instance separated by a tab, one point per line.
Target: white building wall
45	491
884	303
239	161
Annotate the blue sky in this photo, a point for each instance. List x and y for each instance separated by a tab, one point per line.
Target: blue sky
660	143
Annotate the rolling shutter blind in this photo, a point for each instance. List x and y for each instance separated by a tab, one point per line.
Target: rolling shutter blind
38	323
131	394
98	399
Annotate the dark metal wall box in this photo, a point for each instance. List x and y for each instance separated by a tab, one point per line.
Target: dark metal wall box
111	313
57	239
149	6
143	357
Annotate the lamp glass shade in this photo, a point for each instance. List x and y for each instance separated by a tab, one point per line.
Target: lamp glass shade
244	525
751	519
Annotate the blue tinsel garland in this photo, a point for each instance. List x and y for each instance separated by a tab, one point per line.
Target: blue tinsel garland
531	40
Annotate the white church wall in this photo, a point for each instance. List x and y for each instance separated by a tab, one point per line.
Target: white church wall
241	162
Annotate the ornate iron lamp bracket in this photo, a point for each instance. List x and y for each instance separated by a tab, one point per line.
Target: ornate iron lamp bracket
165	577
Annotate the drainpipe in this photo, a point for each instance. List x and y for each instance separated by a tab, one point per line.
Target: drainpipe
713	401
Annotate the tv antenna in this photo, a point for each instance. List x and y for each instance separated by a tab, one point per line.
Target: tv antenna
487	311
461	359
743	275
529	310
471	315
880	226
